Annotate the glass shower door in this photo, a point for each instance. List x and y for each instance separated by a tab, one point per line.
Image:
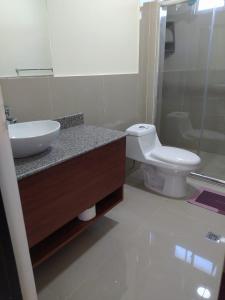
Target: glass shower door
212	142
191	110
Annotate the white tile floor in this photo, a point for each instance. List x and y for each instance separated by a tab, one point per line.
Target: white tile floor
130	254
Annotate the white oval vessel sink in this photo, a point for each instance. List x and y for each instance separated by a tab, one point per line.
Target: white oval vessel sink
31	138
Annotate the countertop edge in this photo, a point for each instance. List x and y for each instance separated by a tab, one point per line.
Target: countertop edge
66	158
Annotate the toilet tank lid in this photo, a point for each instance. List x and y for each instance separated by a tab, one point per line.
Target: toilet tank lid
140	129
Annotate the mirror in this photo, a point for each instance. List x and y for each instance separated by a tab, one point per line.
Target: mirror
24	43
86	37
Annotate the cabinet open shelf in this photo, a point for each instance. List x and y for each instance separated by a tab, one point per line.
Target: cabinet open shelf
56	241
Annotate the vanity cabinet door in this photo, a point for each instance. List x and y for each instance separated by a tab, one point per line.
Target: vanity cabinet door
52	198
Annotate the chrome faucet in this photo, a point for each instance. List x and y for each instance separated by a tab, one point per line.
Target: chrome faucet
9	118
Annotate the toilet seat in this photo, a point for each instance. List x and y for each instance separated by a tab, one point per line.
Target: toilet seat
175	156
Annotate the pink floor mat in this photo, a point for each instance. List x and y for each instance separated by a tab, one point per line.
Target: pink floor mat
210	200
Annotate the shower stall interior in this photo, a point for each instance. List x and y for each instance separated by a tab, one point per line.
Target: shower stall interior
191	85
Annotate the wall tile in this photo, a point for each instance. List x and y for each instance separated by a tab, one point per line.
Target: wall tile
28	98
123	105
78	94
113	101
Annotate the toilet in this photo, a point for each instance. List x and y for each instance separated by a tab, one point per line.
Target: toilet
165	168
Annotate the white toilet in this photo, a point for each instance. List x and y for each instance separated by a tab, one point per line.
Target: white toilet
165	168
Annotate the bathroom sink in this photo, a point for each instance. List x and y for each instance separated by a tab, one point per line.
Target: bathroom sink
31	138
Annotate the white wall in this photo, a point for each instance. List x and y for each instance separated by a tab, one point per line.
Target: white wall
94	37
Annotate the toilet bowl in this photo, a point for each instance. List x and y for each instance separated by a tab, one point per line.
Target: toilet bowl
165	168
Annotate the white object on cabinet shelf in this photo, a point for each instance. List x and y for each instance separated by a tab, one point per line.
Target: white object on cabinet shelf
88	214
94	37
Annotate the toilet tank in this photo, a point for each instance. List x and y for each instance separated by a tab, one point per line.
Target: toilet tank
141	139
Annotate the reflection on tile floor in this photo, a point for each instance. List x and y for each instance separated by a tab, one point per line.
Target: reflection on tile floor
136	253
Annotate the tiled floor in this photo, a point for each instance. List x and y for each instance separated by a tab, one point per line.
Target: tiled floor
136	253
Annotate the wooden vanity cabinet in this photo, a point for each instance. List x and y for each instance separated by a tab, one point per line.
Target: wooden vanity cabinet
53	198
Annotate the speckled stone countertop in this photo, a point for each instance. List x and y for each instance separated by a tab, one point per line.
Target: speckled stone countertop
72	141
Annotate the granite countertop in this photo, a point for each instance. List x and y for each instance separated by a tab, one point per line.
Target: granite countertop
72	141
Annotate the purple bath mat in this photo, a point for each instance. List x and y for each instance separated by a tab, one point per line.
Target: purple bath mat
211	201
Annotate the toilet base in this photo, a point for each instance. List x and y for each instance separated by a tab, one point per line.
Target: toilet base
166	182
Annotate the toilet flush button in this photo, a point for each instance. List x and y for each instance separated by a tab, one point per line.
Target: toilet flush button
140	129
143	127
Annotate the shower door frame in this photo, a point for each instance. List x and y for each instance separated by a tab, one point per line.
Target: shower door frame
163	18
162	40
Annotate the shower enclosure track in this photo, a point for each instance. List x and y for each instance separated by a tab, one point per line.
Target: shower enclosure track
208	178
172	2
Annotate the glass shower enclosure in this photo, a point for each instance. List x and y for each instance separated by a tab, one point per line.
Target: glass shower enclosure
191	88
